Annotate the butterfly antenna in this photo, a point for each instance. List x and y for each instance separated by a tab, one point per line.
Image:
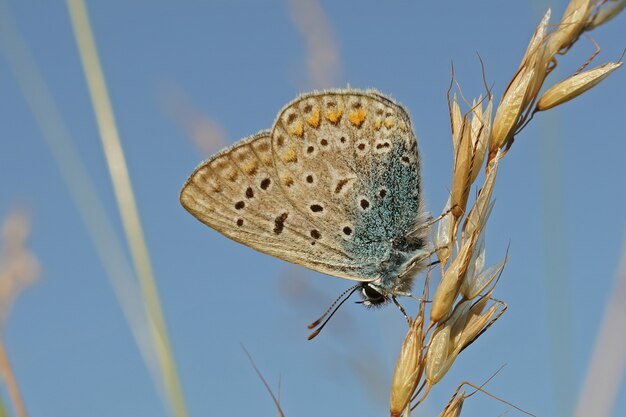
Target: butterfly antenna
332	310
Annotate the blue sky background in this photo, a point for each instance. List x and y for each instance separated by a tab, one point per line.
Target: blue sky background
238	63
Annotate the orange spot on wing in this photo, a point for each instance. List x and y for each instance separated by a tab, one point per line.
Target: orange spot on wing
267	160
297	129
357	117
334	116
290	155
232	175
314	119
251	168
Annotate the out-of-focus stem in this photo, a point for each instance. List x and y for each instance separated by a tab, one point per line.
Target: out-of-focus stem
9	378
126	201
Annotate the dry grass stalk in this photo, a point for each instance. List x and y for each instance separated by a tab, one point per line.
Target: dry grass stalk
127	206
462	308
81	186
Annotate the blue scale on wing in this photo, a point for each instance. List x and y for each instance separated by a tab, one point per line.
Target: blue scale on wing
380	238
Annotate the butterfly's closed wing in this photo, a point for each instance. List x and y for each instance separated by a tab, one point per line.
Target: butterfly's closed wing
353	166
236	192
334	187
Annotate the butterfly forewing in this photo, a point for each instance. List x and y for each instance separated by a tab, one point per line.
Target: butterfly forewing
236	192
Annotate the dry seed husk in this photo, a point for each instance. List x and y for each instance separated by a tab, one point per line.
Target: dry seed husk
443	237
448	288
608	12
473	286
539	37
458	320
456	120
462	167
409	368
481	130
437	358
475	267
572	24
475	324
479	213
574	86
453	408
538	58
510	109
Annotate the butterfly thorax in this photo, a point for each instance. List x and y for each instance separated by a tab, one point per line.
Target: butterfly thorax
397	273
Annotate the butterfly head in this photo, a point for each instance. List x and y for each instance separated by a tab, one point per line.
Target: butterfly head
374	295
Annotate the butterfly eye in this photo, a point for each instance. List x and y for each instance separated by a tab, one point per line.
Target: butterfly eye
372	296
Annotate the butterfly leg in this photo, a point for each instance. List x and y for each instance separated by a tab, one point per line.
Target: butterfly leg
402	310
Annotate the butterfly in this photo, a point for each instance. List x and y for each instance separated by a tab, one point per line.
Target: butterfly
334	186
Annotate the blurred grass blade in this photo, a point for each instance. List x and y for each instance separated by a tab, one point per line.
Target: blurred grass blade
125	200
323	59
79	183
18	269
3	409
9	379
606	369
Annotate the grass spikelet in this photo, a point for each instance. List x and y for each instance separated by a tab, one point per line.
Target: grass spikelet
409	368
450	284
575	85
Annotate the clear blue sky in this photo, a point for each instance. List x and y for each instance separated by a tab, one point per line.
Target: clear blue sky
239	62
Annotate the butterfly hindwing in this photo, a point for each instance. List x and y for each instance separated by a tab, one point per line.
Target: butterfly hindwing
353	161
